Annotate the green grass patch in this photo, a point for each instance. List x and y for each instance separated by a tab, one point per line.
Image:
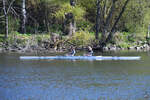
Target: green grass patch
22	39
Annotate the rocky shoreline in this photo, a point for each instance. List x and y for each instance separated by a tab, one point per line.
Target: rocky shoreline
47	49
144	47
37	50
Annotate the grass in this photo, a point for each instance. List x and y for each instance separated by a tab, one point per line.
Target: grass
24	36
16	38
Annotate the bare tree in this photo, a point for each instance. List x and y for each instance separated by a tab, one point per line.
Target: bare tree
23	17
6	18
108	33
108	19
112	32
97	20
6	11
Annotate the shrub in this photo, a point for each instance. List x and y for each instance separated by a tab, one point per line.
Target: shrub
124	45
82	38
85	25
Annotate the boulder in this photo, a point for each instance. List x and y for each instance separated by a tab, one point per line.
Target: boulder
138	48
131	48
139	42
105	48
1	49
146	47
13	50
113	48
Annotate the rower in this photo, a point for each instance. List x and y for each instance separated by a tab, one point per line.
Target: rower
72	53
90	51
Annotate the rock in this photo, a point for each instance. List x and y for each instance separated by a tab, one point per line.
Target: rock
145	42
1	49
113	48
13	50
55	37
138	48
20	48
146	47
139	42
7	48
141	47
105	48
131	48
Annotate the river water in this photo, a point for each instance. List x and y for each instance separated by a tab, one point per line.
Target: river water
75	80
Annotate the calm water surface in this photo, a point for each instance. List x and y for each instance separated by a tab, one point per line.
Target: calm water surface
75	80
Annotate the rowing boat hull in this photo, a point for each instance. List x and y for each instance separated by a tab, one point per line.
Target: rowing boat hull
79	58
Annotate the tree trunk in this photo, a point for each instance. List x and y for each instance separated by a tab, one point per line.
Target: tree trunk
72	23
111	34
46	18
104	9
6	18
97	20
6	26
69	25
72	2
148	33
108	19
23	23
72	28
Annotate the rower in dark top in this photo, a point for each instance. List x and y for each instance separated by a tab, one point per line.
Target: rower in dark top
72	52
90	51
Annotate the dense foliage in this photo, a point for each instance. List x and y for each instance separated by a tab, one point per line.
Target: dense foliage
48	16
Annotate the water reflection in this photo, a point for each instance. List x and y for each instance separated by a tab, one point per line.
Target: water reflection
74	80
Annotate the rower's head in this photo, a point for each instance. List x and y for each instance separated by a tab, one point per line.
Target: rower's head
72	48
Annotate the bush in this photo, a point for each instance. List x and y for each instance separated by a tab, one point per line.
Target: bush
125	37
124	45
85	25
82	38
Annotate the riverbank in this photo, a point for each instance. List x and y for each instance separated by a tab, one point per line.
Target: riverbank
43	43
45	48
